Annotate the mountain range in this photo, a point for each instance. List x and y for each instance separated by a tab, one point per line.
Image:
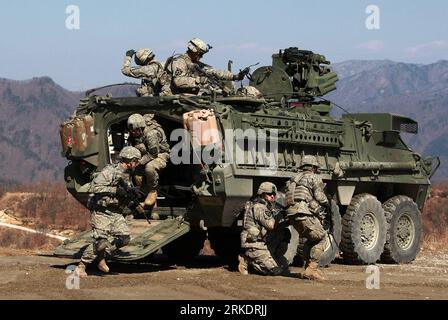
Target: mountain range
32	110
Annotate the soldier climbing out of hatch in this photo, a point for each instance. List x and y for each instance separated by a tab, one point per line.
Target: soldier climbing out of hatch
306	200
259	221
191	76
148	137
155	80
107	202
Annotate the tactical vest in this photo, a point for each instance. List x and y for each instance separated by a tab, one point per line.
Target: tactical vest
300	189
164	147
107	201
253	231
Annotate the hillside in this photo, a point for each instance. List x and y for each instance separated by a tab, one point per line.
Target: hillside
416	91
32	110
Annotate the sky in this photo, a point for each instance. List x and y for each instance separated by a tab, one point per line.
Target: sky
43	38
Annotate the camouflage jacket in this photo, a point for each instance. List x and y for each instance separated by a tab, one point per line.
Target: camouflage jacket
151	142
153	76
259	220
187	79
305	193
103	188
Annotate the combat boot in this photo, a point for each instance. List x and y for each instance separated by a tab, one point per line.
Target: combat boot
82	270
243	265
312	272
103	266
151	199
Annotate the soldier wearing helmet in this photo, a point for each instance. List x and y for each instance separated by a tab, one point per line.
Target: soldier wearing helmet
306	199
154	78
191	76
148	137
259	221
250	91
108	205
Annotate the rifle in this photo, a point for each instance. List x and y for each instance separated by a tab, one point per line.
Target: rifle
213	80
134	196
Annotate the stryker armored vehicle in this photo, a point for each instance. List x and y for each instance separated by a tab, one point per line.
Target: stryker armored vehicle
376	183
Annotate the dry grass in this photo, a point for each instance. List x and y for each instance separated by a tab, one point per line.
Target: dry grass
16	239
435	220
46	206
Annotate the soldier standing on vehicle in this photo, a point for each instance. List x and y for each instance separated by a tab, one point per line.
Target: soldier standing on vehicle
148	137
306	199
259	221
189	75
107	203
155	81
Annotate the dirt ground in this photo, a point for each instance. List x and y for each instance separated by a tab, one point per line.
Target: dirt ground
27	275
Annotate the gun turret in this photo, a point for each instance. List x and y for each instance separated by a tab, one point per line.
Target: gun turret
299	74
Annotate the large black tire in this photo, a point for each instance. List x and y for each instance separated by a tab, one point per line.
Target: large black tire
293	244
185	247
363	230
404	230
333	226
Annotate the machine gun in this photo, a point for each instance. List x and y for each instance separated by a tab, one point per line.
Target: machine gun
310	75
295	74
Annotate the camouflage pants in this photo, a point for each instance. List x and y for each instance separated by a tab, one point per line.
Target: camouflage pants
311	228
151	172
110	227
262	261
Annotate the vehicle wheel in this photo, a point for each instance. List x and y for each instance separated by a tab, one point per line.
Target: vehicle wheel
404	230
185	247
333	226
363	230
293	245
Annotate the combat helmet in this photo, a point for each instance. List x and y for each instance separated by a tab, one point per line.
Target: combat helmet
129	153
196	45
143	56
250	91
309	160
267	187
136	121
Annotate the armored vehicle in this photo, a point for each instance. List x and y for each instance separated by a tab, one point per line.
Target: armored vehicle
224	145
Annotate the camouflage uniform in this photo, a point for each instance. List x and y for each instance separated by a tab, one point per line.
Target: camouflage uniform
108	223
153	76
305	197
155	152
187	79
257	237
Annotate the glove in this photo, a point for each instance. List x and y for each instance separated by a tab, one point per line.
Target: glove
130	53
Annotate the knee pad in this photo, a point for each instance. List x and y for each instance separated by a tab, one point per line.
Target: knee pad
101	245
121	241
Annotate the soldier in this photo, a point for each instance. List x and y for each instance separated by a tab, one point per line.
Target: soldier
107	202
149	138
259	221
249	91
151	72
305	199
189	75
